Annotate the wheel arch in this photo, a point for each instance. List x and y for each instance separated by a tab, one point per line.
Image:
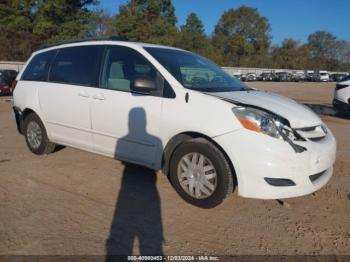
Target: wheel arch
176	140
21	116
28	111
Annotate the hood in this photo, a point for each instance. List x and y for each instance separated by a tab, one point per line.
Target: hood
298	115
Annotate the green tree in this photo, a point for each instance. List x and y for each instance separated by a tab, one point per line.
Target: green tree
290	55
322	45
342	51
324	48
58	20
192	36
27	24
100	24
242	36
150	21
16	26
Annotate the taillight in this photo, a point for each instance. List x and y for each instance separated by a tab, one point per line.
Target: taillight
340	86
13	85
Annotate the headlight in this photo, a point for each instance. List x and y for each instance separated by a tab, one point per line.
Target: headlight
268	124
258	121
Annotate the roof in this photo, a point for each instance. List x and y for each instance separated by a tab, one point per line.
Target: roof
101	41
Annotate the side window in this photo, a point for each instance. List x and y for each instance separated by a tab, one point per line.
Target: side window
77	65
123	65
38	67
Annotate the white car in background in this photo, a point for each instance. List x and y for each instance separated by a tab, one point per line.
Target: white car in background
323	76
237	75
171	110
342	94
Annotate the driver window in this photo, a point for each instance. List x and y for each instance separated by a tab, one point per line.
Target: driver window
123	65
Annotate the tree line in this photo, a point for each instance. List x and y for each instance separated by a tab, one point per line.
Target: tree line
241	36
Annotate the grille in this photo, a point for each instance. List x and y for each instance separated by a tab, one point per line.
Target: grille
313	133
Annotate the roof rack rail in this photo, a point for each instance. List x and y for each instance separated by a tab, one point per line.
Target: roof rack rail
111	38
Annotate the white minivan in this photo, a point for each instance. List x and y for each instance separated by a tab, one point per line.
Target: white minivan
341	98
171	110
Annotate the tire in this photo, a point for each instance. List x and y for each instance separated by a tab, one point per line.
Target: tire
223	181
41	145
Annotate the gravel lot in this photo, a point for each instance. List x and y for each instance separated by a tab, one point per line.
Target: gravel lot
69	202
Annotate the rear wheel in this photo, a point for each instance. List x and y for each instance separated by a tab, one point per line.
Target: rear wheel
200	173
36	136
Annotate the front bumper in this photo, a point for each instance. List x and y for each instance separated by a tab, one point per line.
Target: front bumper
256	157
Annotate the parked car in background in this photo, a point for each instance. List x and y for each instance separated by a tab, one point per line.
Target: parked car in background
301	77
237	75
172	110
342	94
251	77
336	77
310	77
6	79
283	77
265	77
295	77
322	76
274	77
259	77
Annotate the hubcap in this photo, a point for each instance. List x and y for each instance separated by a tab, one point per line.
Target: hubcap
34	135
197	175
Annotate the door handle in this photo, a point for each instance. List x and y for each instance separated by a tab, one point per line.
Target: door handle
83	94
98	97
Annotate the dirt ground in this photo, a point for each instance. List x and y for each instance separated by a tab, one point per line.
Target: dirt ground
71	201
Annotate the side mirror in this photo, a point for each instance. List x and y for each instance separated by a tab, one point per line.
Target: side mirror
143	85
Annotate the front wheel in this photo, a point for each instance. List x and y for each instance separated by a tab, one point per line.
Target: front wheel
200	173
36	136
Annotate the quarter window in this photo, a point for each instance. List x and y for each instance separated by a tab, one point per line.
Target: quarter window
38	67
77	65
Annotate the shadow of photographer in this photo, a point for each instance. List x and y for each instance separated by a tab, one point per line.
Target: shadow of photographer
137	213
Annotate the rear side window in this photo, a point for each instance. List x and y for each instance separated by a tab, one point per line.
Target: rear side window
38	67
77	66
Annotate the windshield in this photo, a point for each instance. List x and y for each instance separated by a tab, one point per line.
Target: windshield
195	72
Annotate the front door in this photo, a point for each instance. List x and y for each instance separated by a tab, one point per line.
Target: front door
125	124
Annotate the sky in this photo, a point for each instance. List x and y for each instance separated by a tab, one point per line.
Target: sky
288	18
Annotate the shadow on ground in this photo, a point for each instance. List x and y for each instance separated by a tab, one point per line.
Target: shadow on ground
137	215
328	110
